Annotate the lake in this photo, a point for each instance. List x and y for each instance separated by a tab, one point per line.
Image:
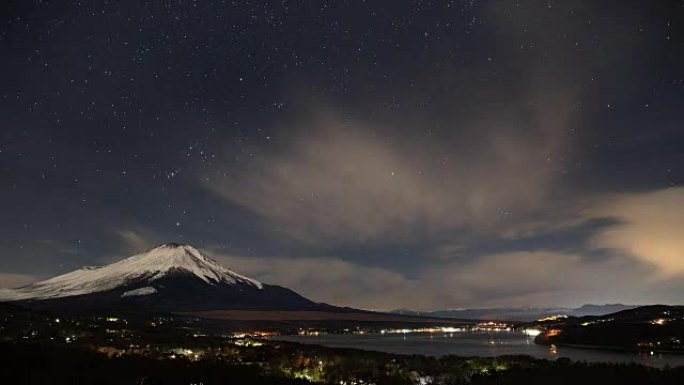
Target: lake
478	343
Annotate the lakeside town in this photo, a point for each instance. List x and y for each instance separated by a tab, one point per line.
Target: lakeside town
203	352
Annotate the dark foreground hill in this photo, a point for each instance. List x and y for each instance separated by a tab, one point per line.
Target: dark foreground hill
646	328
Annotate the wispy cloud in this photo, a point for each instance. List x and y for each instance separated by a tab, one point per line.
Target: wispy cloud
345	182
650	228
136	240
506	279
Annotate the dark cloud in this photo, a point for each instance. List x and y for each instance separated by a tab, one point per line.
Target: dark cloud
369	153
508	279
337	180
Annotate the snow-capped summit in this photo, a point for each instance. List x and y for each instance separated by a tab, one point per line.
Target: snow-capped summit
167	260
173	257
169	278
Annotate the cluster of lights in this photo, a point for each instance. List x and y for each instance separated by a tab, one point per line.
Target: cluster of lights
423	330
248	343
597	321
310	333
188	353
532	332
491	325
253	334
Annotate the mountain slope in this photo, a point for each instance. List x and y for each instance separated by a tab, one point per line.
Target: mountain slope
170	277
519	314
650	328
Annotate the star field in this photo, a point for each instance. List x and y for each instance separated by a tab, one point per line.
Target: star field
405	143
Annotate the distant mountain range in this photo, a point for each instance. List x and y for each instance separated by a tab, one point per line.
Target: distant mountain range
646	328
519	314
171	277
179	278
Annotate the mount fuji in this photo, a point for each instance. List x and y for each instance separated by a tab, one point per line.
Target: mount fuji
171	277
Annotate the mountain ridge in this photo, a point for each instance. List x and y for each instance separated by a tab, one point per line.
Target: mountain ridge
171	277
524	314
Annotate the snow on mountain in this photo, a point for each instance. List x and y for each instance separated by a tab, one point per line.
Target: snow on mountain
147	290
162	261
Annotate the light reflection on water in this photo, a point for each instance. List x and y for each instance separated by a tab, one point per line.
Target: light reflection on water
479	343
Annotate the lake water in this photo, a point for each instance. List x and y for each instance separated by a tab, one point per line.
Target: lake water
479	343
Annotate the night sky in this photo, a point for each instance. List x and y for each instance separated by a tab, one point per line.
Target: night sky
377	154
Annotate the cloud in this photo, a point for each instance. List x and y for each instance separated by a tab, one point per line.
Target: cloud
650	228
136	241
330	280
126	240
506	279
541	277
11	280
337	182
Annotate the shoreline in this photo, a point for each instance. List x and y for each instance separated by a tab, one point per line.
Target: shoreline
575	352
614	348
